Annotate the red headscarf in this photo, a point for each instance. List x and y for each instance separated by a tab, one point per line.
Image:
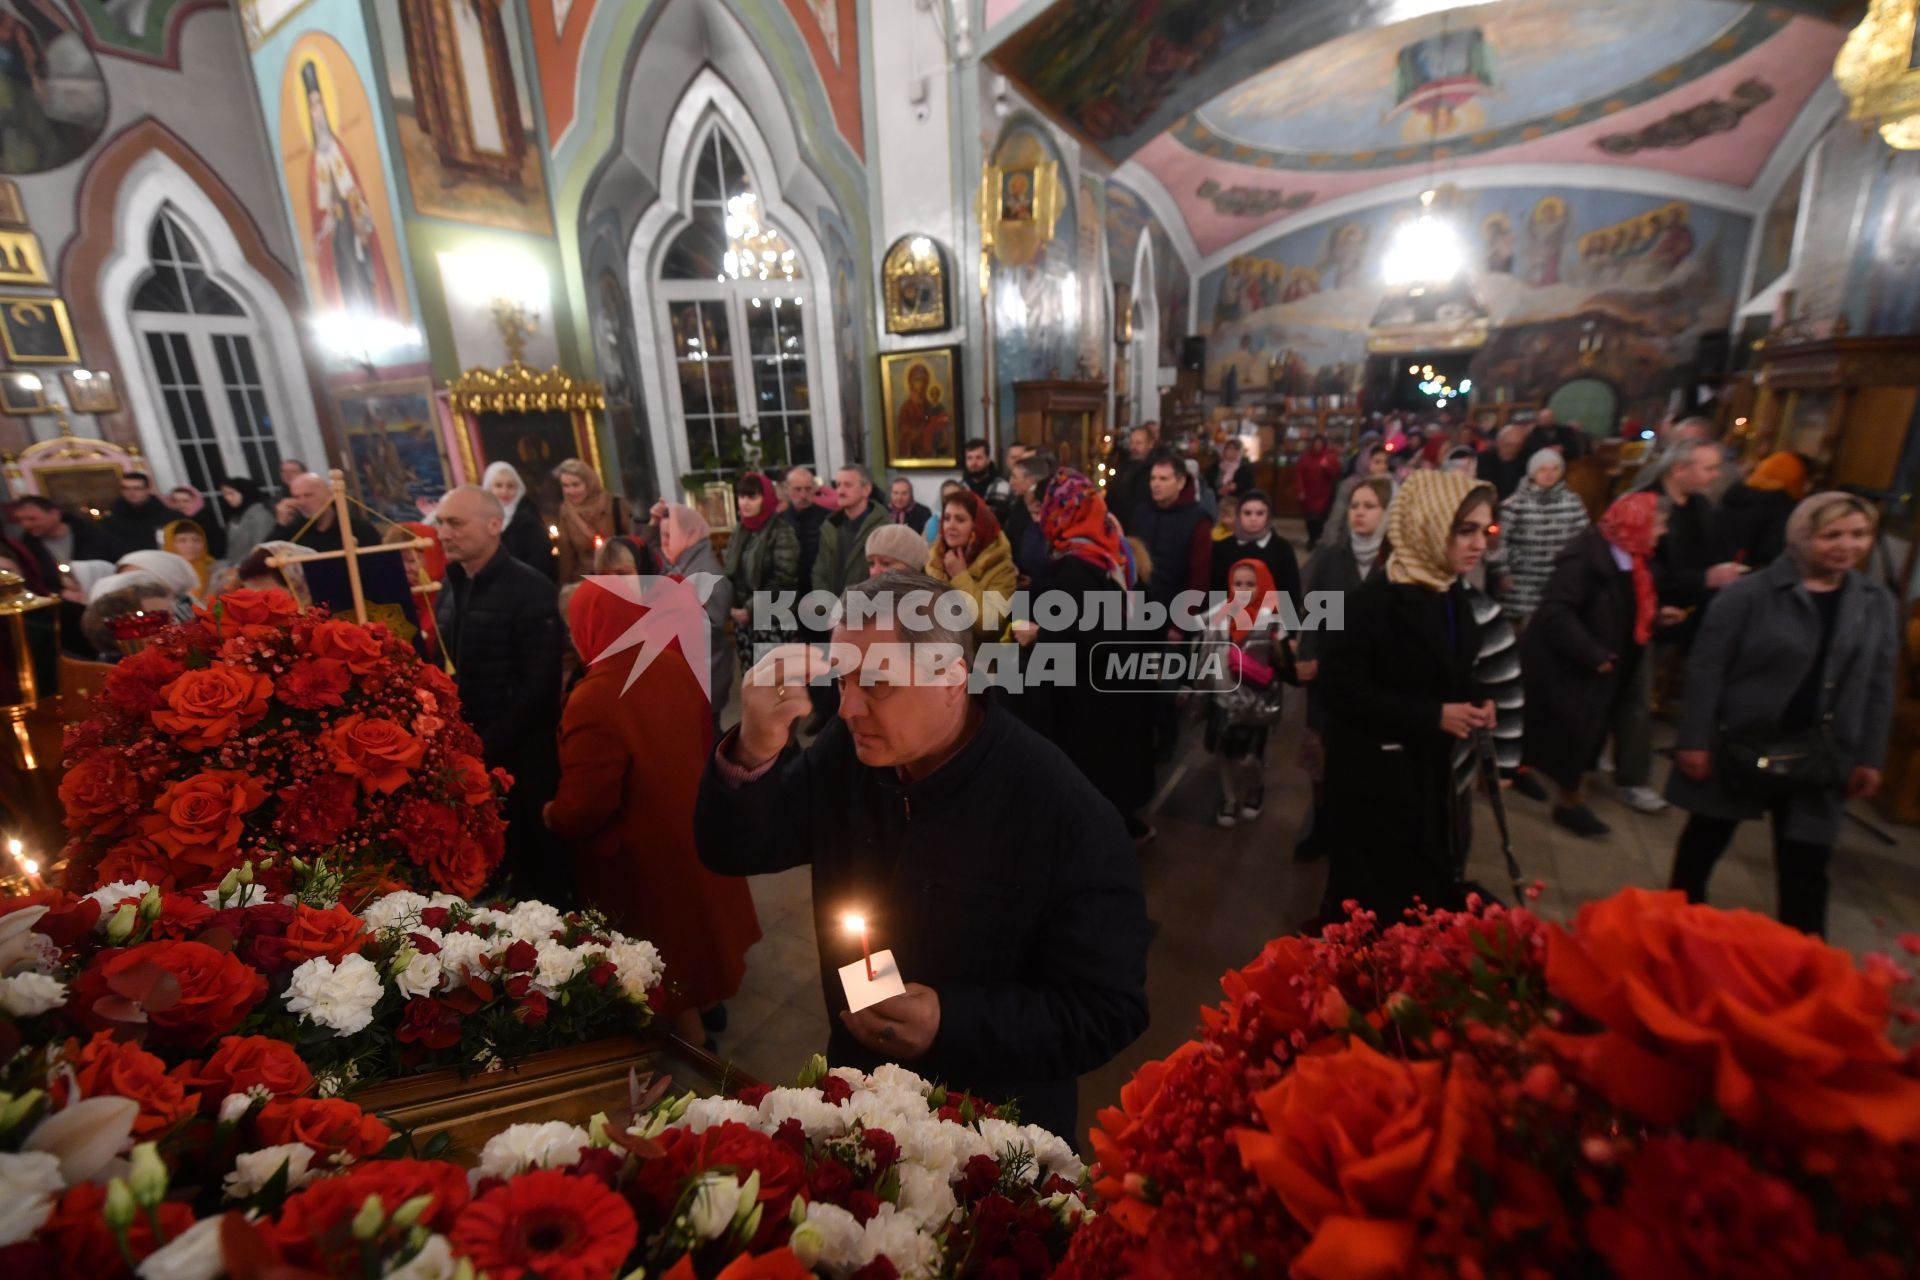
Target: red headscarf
985	527
1628	525
598	617
769	504
1074	517
1241	616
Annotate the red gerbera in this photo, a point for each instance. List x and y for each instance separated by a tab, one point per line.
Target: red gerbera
548	1224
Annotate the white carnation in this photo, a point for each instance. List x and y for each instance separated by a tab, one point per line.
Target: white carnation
889	1234
886	1108
829	1237
1054	1153
252	1170
194	1254
338	996
29	1181
820	1118
535	921
420	977
1004	1139
435	1261
716	1199
461	956
393	910
556	966
854	1076
234	1107
926	1196
520	1147
891	1075
111	896
704	1113
938	1145
26	995
638	967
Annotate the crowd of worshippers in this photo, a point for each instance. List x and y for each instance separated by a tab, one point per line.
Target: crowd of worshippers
1488	626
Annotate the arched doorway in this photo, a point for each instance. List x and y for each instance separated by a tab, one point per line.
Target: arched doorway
1591	402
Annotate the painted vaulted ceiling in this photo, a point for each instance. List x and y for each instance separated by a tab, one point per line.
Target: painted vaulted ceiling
1251	112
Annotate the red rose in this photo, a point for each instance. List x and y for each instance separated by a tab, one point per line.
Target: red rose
429	1023
136	680
257	932
314	1220
190	993
77	1233
333	933
138	858
464	867
331	1126
199	820
206	707
312	683
438	683
471	781
547	1224
250	608
349	643
95	793
379	753
1776	1027
248	1062
109	1067
317	813
1700	1209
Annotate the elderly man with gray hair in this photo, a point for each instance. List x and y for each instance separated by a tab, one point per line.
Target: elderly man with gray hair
500	622
1022	945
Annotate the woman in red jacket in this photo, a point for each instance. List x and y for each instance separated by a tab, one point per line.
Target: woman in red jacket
1319	474
630	763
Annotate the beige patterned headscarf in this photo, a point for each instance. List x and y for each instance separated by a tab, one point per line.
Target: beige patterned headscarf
1420	525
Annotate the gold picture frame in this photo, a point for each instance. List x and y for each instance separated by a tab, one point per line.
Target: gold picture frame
1021	198
924	423
21	261
93	393
12	212
36	330
22	394
914	275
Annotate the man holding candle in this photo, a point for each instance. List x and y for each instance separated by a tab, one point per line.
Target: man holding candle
1022	944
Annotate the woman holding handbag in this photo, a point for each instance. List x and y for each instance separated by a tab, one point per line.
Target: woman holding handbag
1789	696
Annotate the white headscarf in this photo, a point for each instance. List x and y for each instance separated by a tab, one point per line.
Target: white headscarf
104	587
519	486
174	571
87	572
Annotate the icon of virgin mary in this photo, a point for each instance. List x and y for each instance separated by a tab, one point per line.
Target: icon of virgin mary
353	274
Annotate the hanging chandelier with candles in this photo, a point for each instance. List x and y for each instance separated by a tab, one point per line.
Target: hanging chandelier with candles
1426	249
755	251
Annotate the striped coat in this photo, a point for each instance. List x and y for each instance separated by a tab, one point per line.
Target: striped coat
1534	524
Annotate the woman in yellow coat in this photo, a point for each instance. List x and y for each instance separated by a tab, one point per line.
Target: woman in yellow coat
974	556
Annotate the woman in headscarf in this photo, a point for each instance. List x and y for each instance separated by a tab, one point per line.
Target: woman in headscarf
522	532
173	571
1588	636
192	505
1107	732
246	514
1750	524
973	556
1247	701
186	539
947	489
685	541
1403	707
589	515
630	765
1541	517
1350	554
1788	700
763	555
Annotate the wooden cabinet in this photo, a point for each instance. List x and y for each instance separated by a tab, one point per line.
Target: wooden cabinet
1066	416
1846	403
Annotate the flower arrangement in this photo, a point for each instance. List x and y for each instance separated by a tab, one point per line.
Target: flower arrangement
257	732
852	1176
1661	1090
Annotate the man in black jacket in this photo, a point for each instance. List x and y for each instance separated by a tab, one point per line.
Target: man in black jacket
54	538
1023	945
307	517
137	516
500	623
1127	482
983	479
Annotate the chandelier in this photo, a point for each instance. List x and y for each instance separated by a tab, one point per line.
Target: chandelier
755	251
1878	70
1426	250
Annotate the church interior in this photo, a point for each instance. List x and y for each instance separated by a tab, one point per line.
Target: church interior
396	242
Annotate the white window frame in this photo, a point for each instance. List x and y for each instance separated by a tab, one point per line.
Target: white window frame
155	183
707	104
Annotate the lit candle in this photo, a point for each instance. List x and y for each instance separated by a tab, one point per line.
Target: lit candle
598	542
553	532
856	923
17	852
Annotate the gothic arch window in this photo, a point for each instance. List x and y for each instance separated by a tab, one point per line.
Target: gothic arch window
732	291
204	359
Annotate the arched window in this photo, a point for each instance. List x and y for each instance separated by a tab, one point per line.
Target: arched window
202	353
742	347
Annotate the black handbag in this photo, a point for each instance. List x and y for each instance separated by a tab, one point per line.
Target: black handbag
1771	762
